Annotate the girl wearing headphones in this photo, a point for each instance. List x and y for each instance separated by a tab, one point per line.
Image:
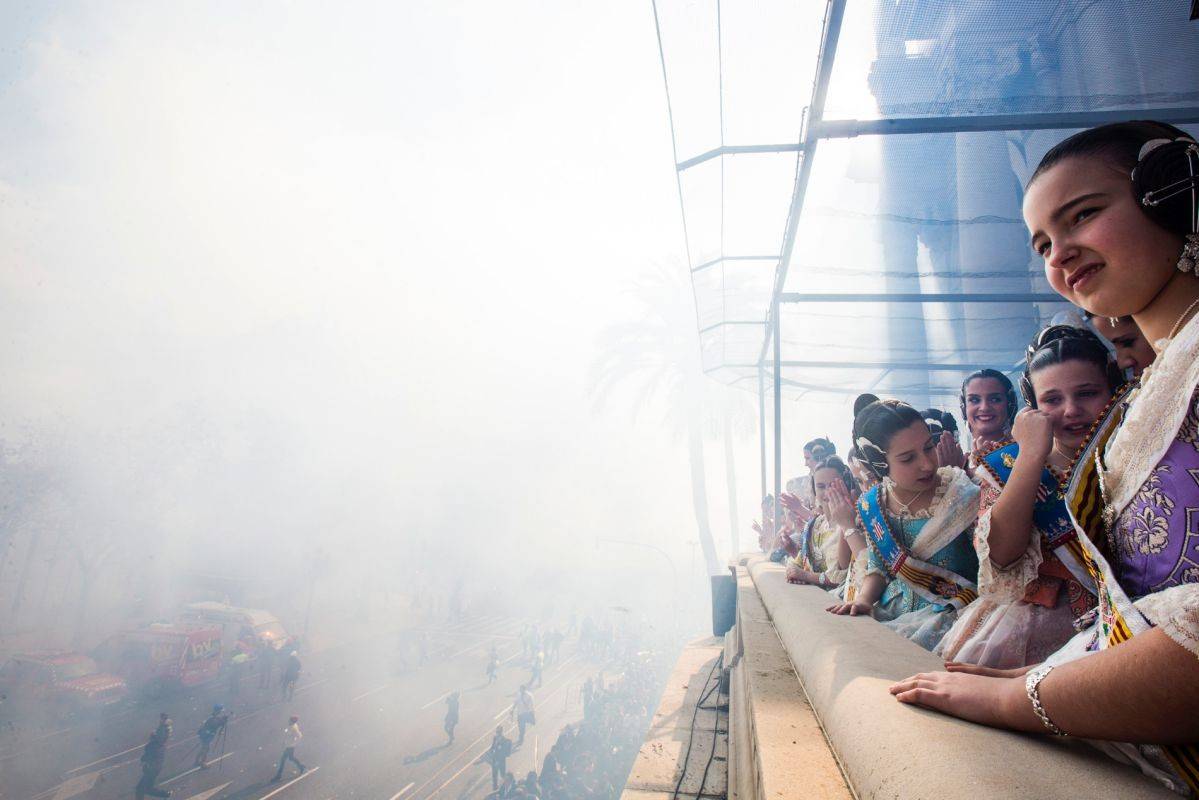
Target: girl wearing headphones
921	567
1114	211
1031	583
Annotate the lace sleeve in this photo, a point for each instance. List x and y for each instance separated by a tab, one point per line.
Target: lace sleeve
835	576
1005	584
1176	612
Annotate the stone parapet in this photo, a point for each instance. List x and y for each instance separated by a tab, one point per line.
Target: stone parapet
777	748
890	750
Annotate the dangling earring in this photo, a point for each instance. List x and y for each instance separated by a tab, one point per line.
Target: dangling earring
1189	261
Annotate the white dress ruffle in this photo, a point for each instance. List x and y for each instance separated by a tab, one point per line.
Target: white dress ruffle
1000	629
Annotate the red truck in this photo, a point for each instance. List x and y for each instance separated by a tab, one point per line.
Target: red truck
164	657
61	681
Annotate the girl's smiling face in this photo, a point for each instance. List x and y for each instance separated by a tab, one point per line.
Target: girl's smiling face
987	411
1101	251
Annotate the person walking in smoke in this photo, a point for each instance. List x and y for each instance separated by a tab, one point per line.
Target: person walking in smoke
291	674
493	665
451	716
497	755
536	665
553	644
213	727
291	737
522	710
266	663
153	756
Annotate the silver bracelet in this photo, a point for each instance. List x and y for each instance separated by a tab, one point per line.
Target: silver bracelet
1032	683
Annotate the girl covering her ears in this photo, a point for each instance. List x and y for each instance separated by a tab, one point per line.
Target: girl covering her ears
1032	583
1114	211
823	556
921	567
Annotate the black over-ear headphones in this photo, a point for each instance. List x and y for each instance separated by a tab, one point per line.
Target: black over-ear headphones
1165	177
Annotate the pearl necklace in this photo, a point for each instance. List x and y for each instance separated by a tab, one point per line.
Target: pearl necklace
1178	325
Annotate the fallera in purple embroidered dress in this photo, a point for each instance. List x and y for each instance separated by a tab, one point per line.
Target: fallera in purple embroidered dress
1157	533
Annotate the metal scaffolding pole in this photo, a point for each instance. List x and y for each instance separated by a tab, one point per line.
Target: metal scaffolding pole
1052	120
762	426
778	418
909	297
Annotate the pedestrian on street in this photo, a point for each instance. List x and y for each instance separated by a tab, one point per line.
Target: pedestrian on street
493	665
451	716
522	709
237	667
536	667
213	727
554	644
497	754
291	674
266	663
153	756
291	738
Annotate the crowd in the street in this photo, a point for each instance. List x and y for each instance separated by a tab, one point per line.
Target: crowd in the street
1056	531
212	731
591	759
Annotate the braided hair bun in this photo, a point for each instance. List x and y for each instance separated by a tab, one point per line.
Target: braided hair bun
875	423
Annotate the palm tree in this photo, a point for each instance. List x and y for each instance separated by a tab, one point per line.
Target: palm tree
659	353
738	420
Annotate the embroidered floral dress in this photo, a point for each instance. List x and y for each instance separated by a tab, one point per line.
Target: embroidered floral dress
1156	536
1152	549
900	608
1025	611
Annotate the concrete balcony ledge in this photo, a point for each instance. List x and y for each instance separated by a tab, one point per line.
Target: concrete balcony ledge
889	750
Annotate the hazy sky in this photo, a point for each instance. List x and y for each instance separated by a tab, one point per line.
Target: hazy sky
272	273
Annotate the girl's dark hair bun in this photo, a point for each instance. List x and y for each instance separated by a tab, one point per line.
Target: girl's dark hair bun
863	401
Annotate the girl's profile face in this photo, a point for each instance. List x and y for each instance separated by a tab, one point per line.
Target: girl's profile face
987	413
1101	251
1073	394
912	458
1132	350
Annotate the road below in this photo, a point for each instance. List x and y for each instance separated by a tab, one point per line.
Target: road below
370	730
